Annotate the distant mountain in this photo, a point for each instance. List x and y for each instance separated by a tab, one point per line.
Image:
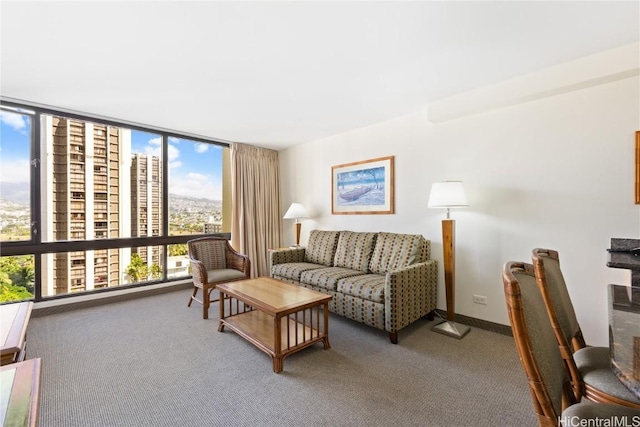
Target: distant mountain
16	192
174	196
178	204
12	208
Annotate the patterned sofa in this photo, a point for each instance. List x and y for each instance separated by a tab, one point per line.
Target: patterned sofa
384	280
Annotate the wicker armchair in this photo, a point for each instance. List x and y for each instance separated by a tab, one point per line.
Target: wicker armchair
214	261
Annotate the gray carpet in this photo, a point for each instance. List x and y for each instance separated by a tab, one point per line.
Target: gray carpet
154	362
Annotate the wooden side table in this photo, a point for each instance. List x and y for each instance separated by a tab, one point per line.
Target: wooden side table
14	319
20	393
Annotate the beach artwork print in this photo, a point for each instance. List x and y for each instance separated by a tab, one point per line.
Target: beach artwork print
364	187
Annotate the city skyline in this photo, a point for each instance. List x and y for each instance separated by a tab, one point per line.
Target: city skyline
195	168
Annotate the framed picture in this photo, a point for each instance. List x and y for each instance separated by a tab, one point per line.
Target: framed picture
364	187
637	167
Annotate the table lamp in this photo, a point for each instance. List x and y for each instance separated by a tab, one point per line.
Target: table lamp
449	194
296	211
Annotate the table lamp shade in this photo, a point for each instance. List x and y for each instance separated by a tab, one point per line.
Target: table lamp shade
295	211
447	194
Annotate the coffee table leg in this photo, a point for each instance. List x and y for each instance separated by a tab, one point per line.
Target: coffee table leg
278	364
325	340
277	345
221	304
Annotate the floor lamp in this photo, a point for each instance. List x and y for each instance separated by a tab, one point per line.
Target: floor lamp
449	194
296	211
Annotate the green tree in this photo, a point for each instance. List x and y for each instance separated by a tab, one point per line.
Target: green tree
20	270
156	271
178	249
11	292
138	269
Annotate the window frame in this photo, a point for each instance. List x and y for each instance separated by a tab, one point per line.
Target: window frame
36	247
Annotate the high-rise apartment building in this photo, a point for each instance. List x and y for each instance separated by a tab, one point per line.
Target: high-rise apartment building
86	181
146	203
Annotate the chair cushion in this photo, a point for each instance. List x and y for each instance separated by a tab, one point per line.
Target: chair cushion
292	270
327	277
354	250
394	251
223	275
575	415
368	286
594	365
592	358
321	247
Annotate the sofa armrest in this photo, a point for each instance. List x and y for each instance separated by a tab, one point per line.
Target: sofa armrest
283	256
409	294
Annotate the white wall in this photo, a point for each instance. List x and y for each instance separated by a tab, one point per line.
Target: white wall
555	172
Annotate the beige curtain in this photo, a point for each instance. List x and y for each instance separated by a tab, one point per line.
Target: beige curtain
255	193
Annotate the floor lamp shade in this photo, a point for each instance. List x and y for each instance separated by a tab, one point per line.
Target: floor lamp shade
296	211
449	194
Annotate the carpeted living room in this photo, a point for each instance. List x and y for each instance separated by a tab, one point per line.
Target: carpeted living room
396	156
152	362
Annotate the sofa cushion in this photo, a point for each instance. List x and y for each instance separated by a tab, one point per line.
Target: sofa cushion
321	247
394	251
354	250
327	277
368	286
292	270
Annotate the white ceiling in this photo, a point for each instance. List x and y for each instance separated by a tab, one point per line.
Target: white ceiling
276	74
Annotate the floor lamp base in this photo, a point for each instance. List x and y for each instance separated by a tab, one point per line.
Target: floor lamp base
451	329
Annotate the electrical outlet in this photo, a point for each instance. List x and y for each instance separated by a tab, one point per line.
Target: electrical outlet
480	299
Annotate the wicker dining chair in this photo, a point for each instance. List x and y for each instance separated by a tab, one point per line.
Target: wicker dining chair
589	367
554	401
214	261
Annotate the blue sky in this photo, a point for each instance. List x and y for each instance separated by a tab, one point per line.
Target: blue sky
195	169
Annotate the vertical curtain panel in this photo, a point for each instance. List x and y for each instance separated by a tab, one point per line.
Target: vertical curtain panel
255	192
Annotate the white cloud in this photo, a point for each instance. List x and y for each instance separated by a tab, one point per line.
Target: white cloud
197	176
154	149
174	140
201	147
196	185
155	141
15	121
175	165
173	153
15	170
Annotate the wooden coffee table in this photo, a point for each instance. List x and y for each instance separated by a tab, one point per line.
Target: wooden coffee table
277	317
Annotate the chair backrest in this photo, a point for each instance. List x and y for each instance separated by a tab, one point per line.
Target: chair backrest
210	250
536	344
546	264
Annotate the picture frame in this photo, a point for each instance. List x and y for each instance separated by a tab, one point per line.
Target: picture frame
364	187
637	173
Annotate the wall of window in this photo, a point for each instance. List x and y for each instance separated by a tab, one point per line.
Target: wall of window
89	205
